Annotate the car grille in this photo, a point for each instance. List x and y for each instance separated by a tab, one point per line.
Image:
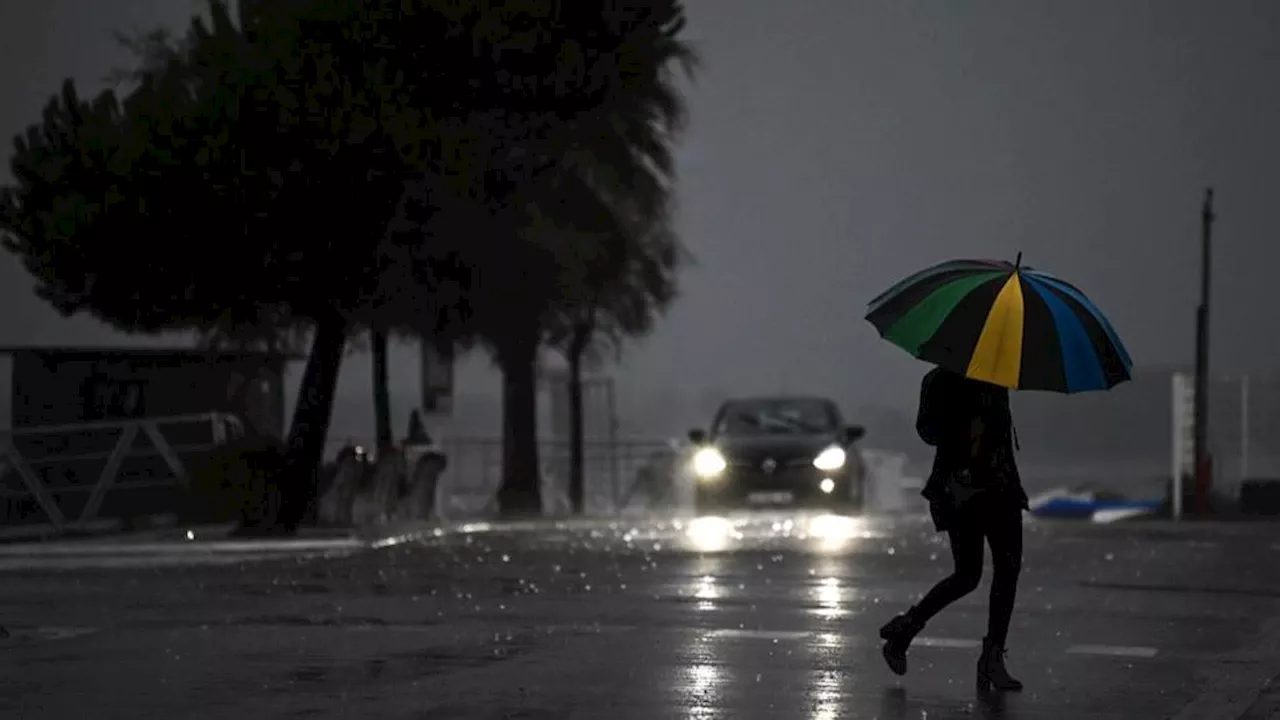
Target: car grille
755	461
787	473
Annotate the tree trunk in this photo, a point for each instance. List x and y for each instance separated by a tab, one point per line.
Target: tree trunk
577	475
521	477
381	394
310	426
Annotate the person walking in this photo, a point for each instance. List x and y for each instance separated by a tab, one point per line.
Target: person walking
975	496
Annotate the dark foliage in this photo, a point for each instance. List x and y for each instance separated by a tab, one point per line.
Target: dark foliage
256	167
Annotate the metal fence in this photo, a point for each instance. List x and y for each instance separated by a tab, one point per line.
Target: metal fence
69	475
617	475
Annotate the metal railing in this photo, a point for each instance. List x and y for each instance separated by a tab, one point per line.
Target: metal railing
60	463
615	472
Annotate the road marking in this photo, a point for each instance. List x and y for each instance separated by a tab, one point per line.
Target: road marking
1133	651
954	643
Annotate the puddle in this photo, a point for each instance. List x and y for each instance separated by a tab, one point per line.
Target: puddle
323	675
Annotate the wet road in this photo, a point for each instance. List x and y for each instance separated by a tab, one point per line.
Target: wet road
761	617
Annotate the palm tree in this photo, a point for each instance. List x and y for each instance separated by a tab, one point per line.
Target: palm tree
604	189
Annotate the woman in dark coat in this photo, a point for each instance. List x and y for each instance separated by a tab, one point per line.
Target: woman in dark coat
976	497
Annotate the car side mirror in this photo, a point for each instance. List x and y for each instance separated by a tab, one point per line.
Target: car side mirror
697	437
854	433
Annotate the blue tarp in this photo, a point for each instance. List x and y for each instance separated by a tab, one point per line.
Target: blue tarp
1083	506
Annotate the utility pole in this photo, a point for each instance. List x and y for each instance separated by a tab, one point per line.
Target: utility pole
1203	459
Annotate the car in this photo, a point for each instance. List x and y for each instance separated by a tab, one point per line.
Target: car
779	451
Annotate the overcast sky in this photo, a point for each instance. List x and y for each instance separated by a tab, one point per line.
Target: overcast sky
836	145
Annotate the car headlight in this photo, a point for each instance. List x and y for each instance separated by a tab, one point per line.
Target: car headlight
708	463
830	459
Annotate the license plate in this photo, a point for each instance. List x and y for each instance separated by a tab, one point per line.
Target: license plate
770	498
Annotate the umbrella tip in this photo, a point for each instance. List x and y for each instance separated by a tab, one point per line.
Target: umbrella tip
1017	263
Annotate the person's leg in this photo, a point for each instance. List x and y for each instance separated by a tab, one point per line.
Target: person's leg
1004	535
966	551
1003	530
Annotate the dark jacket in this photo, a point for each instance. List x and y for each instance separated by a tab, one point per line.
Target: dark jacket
949	402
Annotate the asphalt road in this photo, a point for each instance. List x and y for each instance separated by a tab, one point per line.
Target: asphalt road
768	617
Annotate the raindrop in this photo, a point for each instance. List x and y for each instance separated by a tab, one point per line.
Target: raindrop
506	558
893	550
1110	556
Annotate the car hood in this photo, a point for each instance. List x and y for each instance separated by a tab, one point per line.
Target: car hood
778	447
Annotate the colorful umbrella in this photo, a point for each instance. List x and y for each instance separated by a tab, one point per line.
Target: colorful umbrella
1005	324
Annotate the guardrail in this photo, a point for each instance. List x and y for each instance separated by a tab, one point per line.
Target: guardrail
53	461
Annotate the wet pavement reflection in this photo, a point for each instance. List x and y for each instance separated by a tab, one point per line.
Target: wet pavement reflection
769	615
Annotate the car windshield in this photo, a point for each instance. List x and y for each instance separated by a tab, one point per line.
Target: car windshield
776	417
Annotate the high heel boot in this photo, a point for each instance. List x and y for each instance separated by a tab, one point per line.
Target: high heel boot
897	635
991	670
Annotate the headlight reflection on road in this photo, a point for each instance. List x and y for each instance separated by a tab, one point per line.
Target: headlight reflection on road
706	593
711	533
829	596
826	693
834	532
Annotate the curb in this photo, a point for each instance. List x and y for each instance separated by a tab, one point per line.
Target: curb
387	537
1238	679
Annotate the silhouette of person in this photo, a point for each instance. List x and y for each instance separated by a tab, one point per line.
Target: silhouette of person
417	431
975	495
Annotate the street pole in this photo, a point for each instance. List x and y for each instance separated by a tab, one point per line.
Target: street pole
1201	456
1244	428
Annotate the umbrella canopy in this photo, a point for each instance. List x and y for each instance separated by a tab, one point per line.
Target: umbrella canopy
1005	324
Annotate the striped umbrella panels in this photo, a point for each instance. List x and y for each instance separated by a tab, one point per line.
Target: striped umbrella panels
1004	324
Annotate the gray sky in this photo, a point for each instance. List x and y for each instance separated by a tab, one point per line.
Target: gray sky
836	145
